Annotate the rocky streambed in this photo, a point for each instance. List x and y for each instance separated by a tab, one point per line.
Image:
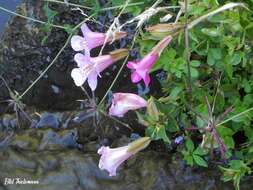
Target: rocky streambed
57	147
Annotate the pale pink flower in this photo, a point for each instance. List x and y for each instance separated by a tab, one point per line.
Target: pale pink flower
123	102
89	68
142	68
90	39
111	158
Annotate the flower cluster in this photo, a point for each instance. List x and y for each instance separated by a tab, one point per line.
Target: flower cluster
89	68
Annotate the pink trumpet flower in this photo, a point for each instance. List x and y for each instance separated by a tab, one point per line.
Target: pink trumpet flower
89	68
91	39
111	158
143	67
123	102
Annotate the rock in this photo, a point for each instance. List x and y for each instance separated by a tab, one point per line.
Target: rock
72	169
48	121
23	57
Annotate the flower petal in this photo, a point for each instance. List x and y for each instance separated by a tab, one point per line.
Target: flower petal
78	77
77	43
147	79
82	60
93	39
135	77
111	158
123	102
131	64
92	80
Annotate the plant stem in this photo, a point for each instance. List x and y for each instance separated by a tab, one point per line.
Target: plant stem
120	122
70	4
54	60
47	68
32	19
90	8
120	70
221	9
187	52
235	116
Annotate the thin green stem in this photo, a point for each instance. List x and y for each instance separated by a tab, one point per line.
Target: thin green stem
113	25
70	4
47	68
118	121
32	19
121	6
235	116
119	72
187	52
220	9
90	8
54	60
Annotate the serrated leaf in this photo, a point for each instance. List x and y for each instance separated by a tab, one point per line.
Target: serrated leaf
199	160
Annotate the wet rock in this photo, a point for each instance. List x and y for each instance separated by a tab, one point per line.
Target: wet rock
52	140
38	140
48	121
70	170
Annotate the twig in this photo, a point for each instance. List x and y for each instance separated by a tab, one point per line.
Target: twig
32	19
120	70
120	122
54	60
235	116
112	27
216	93
221	9
90	8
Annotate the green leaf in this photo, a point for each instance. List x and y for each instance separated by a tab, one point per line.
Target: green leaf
161	134
212	32
189	160
195	63
189	145
50	14
235	59
199	151
214	54
194	73
174	95
199	160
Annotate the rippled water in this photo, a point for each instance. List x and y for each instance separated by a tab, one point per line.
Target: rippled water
8	4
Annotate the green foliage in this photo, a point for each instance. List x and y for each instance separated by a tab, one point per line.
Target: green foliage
50	14
236	170
194	156
221	70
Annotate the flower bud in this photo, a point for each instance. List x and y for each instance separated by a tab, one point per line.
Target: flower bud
162	30
138	145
